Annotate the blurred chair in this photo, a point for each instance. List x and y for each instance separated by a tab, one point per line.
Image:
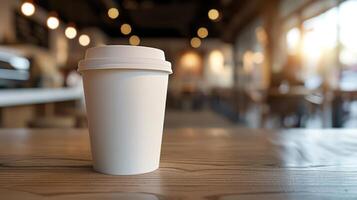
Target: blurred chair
341	103
59	115
289	107
53	122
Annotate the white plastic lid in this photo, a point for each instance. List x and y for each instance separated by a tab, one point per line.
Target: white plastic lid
124	57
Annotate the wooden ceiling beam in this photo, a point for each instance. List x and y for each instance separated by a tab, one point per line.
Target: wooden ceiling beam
243	15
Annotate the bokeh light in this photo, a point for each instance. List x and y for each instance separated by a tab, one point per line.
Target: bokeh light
84	40
52	22
70	32
113	13
134	40
202	32
125	29
195	42
213	14
27	8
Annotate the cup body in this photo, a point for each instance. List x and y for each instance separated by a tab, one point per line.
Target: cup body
125	109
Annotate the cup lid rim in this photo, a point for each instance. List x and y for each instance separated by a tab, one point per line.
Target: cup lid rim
123	57
119	46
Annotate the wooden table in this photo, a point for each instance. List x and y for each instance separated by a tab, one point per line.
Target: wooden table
196	164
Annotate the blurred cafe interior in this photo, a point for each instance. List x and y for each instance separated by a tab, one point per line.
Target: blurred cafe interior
237	63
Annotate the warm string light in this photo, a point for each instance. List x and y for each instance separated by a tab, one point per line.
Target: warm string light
70	32
125	29
28	9
213	14
113	13
195	42
52	22
202	32
84	40
134	40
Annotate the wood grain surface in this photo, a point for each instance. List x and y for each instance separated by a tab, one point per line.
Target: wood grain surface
195	164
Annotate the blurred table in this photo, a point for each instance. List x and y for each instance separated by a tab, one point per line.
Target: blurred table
18	106
16	97
195	164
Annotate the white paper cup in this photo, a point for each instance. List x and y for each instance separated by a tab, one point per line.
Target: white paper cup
125	91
